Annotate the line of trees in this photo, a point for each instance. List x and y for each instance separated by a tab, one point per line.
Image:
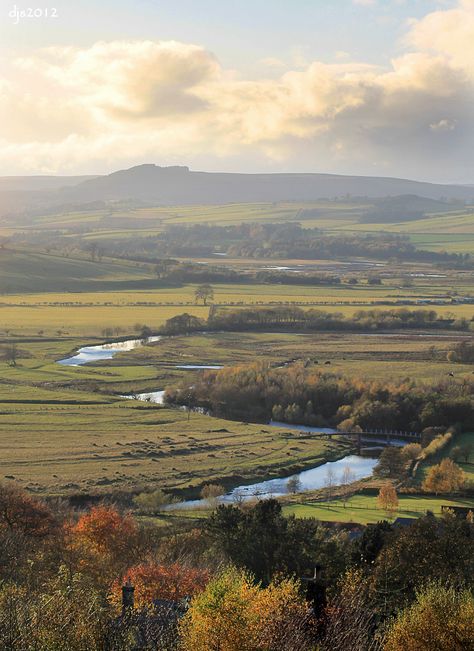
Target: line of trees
298	394
297	318
248	240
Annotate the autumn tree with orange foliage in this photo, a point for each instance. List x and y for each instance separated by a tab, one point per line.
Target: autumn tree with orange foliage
27	528
387	498
445	477
22	513
155	581
105	542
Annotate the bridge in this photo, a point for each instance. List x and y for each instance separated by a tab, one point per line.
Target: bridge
379	435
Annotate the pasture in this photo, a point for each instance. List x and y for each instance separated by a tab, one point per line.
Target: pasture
363	509
88	313
62	441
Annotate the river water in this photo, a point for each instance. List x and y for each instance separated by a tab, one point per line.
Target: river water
311	479
104	351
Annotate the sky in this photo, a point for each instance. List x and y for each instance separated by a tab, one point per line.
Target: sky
378	87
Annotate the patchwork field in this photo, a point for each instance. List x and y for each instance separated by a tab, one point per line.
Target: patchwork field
451	230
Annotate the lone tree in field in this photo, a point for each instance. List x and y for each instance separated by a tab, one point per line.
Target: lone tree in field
9	354
387	498
204	293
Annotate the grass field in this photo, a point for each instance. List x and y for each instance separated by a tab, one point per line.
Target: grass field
65	441
363	509
29	271
377	357
88	313
66	430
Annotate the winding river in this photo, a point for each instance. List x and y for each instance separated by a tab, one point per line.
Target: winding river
311	479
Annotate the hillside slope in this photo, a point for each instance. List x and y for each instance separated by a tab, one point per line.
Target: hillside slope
179	185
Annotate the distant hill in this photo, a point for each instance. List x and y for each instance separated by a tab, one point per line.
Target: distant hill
180	185
19	193
31	183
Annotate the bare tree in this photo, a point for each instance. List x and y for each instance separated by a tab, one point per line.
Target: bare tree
347	478
293	485
330	481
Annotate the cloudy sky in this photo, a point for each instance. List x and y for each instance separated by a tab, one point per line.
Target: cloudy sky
380	87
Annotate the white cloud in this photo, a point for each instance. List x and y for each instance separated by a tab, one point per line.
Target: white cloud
443	125
122	102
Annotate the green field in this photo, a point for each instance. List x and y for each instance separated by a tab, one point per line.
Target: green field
70	441
377	357
66	429
363	509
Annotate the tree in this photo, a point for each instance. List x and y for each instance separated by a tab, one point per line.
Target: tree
422	552
441	619
67	614
211	493
145	332
182	324
235	614
261	540
156	581
374	279
466	451
387	499
411	451
221	618
368	547
293	485
20	512
10	354
347	478
445	477
204	293
162	267
350	618
329	481
105	542
152	502
391	463
456	453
